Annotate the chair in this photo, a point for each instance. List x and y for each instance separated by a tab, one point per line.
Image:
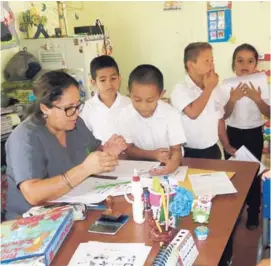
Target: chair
264	241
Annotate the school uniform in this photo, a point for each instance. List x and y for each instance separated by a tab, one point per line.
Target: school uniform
202	132
245	127
100	119
162	130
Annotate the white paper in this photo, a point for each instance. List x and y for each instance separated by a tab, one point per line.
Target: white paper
125	169
243	154
217	183
257	79
87	192
110	254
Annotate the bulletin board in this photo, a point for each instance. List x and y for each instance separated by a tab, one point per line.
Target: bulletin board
219	21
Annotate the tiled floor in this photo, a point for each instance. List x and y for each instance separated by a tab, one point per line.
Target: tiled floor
245	244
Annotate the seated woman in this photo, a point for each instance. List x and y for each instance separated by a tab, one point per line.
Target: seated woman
53	151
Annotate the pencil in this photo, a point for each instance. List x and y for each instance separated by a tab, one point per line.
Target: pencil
158	226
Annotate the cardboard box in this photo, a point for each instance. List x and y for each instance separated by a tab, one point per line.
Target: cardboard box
35	236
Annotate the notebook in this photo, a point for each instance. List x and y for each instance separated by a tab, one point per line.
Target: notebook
181	251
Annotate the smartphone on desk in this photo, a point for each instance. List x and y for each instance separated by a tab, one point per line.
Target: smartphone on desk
107	226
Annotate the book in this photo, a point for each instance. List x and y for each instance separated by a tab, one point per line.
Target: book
181	251
36	236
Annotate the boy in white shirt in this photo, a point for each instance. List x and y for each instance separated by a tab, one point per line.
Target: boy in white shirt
101	112
152	128
198	101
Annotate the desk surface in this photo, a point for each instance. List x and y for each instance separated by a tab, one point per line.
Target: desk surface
224	213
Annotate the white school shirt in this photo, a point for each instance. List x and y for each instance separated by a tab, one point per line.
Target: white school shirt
245	114
162	130
102	120
202	132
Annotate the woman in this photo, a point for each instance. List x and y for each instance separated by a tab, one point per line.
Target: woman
52	151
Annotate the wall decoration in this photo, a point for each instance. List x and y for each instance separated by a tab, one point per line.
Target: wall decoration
172	5
219	21
9	37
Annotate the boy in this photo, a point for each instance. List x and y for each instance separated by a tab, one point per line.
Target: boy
198	100
101	112
152	128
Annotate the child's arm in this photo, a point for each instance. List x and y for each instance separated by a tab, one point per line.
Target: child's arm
194	109
223	137
171	164
160	155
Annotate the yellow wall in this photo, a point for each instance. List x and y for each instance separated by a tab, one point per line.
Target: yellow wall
17	8
142	32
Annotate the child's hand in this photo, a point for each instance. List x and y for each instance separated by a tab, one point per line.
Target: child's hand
239	92
253	94
210	80
115	145
170	167
162	155
230	150
266	175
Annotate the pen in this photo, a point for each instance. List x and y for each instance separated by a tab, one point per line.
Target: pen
88	152
113	185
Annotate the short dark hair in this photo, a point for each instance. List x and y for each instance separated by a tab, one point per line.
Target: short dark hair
244	46
192	51
147	74
100	62
49	88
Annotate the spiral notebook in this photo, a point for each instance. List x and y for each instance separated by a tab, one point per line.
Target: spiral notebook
181	251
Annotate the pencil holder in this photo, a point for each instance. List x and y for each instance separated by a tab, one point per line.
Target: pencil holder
164	236
156	205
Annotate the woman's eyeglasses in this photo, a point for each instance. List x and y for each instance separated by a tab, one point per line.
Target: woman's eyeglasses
70	111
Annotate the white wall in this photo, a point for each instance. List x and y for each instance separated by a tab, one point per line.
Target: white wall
142	32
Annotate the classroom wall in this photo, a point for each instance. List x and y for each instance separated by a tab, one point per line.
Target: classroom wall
18	7
142	32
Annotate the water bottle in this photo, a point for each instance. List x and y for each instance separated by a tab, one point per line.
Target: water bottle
137	203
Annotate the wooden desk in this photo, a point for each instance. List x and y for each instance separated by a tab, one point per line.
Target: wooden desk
224	213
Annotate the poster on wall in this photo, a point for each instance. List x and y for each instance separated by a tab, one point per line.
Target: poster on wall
172	5
219	21
9	37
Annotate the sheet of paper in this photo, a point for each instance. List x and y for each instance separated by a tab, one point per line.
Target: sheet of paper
113	254
257	79
125	169
243	154
216	183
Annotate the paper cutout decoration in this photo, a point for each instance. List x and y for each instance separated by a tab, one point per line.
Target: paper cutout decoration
232	40
172	5
9	37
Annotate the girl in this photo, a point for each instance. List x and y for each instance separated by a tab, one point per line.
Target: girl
251	101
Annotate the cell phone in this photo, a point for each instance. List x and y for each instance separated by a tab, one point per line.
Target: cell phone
107	226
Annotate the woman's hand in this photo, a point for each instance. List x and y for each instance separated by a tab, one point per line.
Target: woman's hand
115	145
99	162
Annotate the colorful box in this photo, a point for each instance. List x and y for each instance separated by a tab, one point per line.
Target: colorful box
35	236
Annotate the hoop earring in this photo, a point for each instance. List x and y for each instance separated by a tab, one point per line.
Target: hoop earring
45	116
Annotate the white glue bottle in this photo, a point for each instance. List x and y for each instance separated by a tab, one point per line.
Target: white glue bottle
137	203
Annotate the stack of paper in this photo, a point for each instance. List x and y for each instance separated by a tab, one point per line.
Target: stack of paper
94	190
216	183
111	254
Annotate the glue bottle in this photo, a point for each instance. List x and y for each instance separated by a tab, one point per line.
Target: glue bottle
137	203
